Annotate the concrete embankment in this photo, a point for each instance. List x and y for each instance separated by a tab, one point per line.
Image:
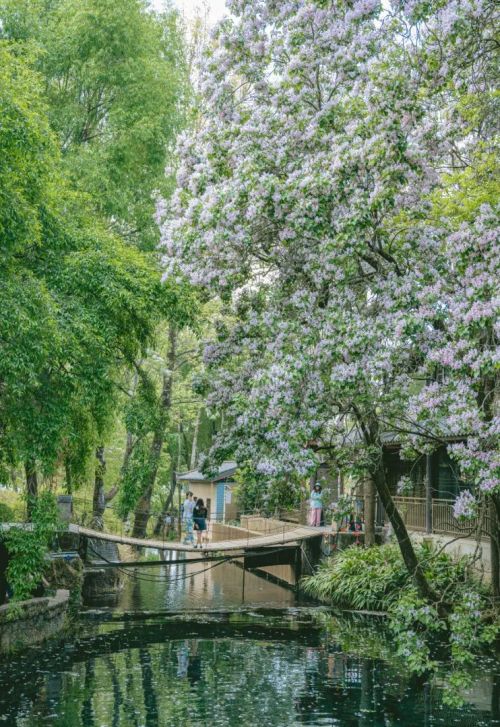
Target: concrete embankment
31	622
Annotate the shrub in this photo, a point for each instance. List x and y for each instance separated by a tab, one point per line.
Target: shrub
360	578
6	513
28	547
376	579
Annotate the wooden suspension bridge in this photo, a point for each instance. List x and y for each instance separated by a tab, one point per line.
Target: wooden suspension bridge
297	546
253	541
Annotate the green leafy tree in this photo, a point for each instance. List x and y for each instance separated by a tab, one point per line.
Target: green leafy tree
117	89
110	80
79	304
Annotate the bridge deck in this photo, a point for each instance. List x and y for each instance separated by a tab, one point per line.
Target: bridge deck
253	540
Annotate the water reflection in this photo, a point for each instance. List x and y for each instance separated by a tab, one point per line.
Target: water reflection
233	671
249	666
197	585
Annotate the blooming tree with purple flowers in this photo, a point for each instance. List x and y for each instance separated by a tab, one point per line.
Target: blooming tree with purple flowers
307	201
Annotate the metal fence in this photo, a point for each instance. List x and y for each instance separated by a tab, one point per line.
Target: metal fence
413	512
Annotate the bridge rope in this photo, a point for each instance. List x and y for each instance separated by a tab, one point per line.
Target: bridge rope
155	579
283	535
161	578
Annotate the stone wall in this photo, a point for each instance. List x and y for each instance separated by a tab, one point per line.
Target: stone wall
458	547
100	582
30	622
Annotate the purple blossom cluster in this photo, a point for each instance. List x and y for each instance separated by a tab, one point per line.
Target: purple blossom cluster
304	198
465	507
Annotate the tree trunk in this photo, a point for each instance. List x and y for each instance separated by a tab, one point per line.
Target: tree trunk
99	499
143	507
68	485
405	545
31	486
370	428
495	546
170	497
369	493
487	401
194	448
110	494
129	446
167	505
149	694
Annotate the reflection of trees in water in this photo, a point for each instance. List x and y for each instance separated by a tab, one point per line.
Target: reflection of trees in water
229	681
87	711
117	692
150	699
495	697
129	702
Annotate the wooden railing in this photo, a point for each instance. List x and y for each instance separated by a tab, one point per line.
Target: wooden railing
413	511
295	516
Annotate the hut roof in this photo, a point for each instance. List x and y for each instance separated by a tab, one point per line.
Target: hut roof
226	470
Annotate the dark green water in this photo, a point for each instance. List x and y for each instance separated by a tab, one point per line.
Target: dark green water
261	661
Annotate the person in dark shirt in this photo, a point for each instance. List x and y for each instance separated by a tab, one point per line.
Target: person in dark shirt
200	515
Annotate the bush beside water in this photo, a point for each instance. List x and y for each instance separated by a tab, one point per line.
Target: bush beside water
28	547
375	579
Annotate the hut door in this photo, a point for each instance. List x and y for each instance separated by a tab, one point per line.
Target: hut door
219	502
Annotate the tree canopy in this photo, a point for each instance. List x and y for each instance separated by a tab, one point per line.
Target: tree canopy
77	302
320	196
92	95
117	91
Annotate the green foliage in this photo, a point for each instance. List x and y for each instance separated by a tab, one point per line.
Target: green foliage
255	491
117	89
358	578
250	489
342	508
463	192
78	302
6	514
376	579
132	483
28	547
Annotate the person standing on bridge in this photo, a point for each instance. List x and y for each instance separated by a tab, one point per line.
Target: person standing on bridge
200	514
316	505
187	517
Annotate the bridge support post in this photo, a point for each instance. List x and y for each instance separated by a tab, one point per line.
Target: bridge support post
310	555
297	567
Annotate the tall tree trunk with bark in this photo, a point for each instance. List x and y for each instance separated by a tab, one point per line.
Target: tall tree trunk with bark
31	486
371	434
99	499
495	546
369	494
167	506
143	507
488	402
169	501
68	484
405	545
194	447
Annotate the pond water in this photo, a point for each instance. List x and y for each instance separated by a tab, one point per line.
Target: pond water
188	646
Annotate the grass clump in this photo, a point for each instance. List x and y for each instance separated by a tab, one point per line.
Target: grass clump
360	578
